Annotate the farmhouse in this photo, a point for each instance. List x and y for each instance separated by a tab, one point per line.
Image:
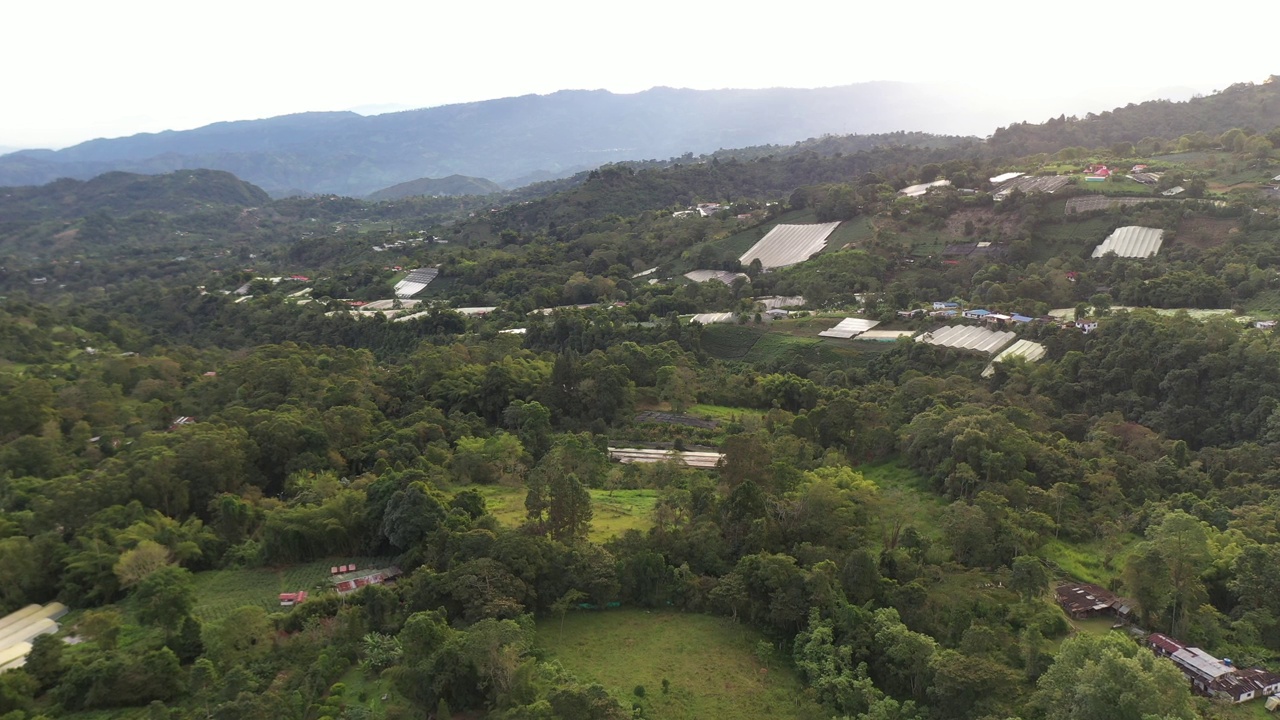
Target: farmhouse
945	305
1086	600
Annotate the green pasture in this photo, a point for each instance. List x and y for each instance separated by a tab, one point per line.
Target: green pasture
710	663
613	512
218	592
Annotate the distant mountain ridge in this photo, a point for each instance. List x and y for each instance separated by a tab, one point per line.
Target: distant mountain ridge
452	185
182	191
533	136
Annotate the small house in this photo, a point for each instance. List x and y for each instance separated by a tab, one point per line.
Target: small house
1087	325
946	305
976	313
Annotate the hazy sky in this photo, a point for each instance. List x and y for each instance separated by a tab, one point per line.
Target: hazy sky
77	70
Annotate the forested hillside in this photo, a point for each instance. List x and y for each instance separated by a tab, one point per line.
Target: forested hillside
868	529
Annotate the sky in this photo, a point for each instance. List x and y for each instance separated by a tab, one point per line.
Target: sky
77	70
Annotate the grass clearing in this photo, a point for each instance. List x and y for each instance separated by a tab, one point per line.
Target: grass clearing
219	592
710	662
613	511
1098	562
724	413
908	494
851	232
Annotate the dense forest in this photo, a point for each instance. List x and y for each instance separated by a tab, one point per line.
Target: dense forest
185	442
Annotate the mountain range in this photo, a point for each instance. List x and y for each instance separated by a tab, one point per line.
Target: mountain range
511	141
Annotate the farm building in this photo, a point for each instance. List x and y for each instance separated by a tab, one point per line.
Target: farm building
352	580
1213	677
966	337
1025	349
724	276
415	282
946	305
789	244
1131	241
922	188
18	629
849	327
1086	600
1174	191
653	455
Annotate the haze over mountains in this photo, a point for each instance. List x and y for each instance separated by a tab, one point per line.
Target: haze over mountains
512	141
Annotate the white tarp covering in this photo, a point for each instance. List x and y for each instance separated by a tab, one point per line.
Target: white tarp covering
724	276
712	318
849	327
922	188
415	282
968	337
1026	349
789	244
1131	241
886	335
651	455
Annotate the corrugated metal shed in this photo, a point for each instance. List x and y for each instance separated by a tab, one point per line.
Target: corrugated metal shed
1131	241
789	244
849	327
967	337
1026	349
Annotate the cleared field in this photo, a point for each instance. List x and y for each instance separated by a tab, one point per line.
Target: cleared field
1098	562
904	490
730	342
709	663
613	511
789	244
218	592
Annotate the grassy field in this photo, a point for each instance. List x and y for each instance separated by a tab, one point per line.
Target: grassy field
1117	187
218	592
724	413
1088	561
710	663
613	511
855	232
908	494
